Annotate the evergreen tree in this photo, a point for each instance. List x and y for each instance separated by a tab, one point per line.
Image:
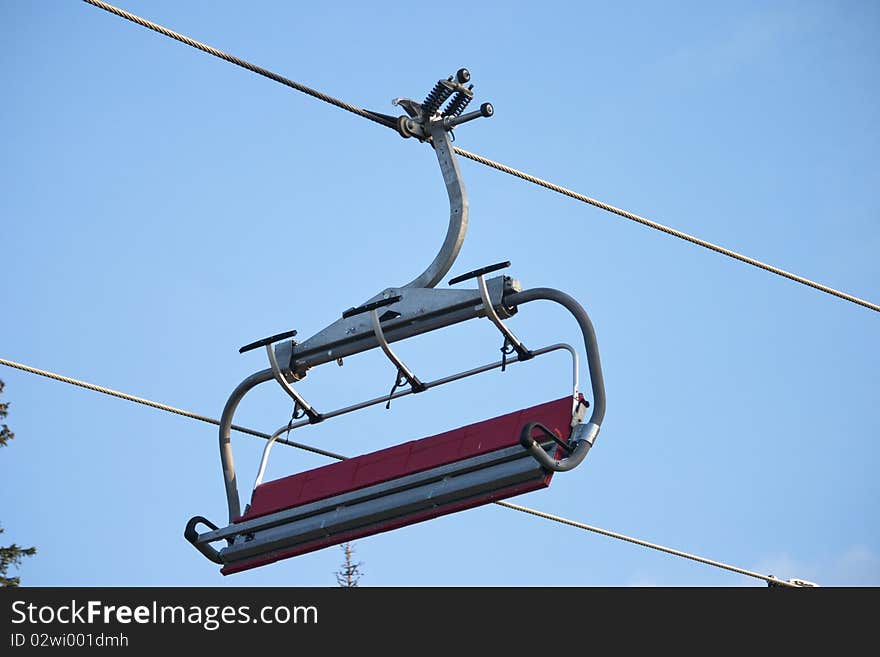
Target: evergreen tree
5	434
10	555
350	573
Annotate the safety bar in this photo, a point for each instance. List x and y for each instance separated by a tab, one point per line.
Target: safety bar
448	379
290	426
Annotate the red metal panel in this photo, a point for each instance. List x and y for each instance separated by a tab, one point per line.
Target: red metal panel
406	459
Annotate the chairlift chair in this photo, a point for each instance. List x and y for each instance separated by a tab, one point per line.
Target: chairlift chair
422	479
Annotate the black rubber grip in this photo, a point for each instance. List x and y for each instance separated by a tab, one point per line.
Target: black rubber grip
192	535
265	341
367	307
479	272
383	119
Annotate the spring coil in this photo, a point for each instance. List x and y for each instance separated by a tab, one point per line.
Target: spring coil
459	101
435	98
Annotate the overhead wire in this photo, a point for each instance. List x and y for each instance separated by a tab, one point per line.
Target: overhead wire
309	448
770	579
259	70
666	229
389	123
159	406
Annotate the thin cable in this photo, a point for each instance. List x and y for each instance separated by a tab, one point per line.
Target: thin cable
161	407
389	123
259	70
653	546
666	229
340	457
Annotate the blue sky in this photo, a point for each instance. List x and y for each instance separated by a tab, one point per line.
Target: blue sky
161	208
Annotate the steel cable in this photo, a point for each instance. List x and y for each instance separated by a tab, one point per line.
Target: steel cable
653	546
666	229
159	406
259	70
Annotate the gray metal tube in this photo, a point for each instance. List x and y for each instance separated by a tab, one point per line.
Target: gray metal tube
279	377
226	459
597	382
583	435
582	439
458	211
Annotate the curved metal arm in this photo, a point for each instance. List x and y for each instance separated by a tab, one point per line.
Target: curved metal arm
581	441
458	210
583	435
226	459
402	369
522	352
314	416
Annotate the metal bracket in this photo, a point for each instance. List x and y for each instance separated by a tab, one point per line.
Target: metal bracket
402	370
509	338
404	374
427	122
267	341
418	311
314	416
458	212
521	351
425	116
793	582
